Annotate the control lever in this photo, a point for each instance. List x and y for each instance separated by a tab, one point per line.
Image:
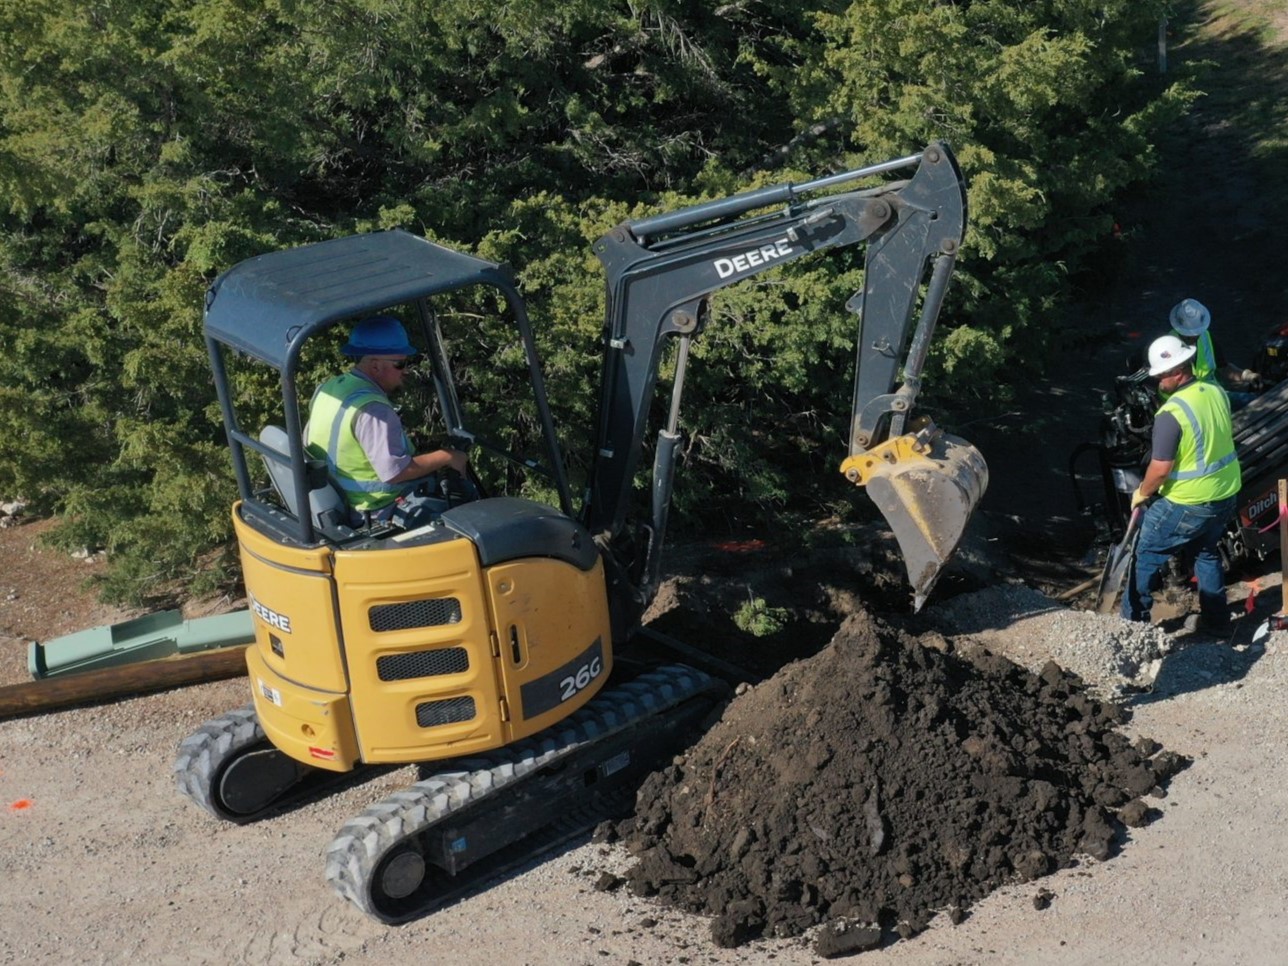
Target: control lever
456	487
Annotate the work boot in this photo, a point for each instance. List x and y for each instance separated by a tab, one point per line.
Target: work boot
1208	625
1219	626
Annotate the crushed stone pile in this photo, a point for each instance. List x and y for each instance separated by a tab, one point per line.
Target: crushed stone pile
1113	656
881	781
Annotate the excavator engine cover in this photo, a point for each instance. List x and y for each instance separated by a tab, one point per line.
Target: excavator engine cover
926	485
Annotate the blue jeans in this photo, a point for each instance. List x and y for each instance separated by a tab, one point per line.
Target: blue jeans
1240	399
1170	528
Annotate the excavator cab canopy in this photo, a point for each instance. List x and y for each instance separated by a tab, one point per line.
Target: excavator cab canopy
268	307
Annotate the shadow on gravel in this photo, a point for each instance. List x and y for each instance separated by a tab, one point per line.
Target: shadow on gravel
1206	663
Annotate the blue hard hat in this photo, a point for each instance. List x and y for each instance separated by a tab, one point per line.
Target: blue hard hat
380	335
1190	317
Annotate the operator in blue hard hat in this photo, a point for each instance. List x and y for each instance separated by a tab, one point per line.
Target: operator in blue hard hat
353	425
1191	322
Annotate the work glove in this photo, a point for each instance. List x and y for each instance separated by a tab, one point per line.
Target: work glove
1137	498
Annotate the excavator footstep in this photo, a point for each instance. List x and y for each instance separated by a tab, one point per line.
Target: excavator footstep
927	498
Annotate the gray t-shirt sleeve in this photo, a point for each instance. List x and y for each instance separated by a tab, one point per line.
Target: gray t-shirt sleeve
1167	437
380	433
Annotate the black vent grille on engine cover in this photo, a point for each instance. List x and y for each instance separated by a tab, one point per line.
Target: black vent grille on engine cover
433	612
451	711
423	664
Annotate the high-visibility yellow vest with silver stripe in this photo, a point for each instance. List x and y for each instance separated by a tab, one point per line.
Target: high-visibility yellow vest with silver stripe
330	436
1206	467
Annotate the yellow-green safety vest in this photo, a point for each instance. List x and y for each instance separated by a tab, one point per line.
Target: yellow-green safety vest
335	405
1206	467
1204	361
1205	358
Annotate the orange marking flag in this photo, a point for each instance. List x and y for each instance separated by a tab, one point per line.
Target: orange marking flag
1251	602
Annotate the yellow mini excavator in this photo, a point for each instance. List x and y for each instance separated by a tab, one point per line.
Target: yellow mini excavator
475	636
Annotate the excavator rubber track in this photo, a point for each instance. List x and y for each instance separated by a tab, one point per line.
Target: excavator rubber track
230	768
439	839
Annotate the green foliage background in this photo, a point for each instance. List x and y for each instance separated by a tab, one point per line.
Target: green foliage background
147	145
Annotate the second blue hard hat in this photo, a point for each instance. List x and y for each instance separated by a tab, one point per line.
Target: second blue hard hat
1190	317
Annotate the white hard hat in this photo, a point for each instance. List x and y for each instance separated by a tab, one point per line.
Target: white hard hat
1166	353
1190	317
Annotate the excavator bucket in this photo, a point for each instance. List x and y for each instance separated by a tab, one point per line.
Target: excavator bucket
926	485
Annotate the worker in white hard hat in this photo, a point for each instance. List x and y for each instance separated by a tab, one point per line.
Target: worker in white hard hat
1194	472
1192	321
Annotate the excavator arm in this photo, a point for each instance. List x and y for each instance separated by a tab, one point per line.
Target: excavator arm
662	270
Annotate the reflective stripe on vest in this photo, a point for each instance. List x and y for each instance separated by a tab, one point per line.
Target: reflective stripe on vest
335	405
1206	466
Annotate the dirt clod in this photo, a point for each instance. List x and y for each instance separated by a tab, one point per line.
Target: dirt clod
1137	814
844	938
607	882
880	782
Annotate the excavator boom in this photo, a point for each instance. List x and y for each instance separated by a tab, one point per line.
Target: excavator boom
661	271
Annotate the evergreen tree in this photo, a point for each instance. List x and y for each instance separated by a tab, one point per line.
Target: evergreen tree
147	145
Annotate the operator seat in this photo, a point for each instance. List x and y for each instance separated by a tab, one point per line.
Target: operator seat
326	507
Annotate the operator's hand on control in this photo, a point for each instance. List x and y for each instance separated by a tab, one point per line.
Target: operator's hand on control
430	463
1249	379
1137	498
457	461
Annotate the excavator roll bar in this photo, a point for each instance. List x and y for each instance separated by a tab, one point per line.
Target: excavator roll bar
661	272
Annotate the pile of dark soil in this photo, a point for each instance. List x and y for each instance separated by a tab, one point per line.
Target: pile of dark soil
881	781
